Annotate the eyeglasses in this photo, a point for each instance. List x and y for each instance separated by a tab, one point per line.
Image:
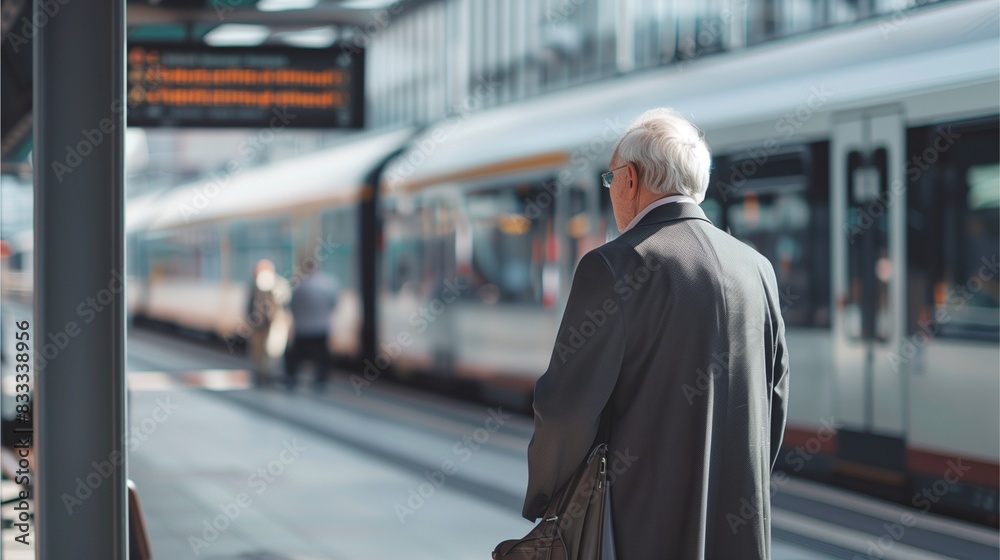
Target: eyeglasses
609	176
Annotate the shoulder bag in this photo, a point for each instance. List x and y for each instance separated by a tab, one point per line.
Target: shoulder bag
577	523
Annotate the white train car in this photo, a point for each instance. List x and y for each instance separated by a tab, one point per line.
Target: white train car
862	161
195	247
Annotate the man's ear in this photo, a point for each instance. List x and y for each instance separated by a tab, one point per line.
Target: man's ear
633	180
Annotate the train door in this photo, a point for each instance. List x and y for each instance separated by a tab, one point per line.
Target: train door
953	235
868	203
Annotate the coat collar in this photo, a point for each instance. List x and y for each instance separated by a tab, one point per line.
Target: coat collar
673	211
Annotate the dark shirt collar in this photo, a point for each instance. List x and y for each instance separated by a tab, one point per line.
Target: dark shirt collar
672	212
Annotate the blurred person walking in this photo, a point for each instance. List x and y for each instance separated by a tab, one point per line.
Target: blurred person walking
269	293
673	343
313	302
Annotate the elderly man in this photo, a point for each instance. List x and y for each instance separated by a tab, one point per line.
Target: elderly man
673	332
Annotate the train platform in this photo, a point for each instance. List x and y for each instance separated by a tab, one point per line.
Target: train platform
226	471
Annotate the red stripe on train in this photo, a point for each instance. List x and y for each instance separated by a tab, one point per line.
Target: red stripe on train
950	466
820	440
937	464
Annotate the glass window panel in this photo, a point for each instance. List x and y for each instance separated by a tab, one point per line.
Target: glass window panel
403	252
954	230
191	253
340	239
510	245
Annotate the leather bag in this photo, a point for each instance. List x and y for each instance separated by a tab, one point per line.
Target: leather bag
577	523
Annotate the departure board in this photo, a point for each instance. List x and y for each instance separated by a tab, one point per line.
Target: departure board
202	86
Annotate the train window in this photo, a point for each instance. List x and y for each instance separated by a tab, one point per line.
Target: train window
778	203
511	237
954	230
190	253
265	239
340	240
403	255
210	254
711	29
419	254
440	229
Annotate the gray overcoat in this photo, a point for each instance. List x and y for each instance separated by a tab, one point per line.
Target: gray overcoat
676	328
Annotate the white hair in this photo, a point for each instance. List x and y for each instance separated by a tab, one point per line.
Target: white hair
670	153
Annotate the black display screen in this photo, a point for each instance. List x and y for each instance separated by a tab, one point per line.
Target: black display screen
188	85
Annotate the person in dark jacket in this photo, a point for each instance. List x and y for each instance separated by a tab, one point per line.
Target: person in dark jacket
673	331
313	301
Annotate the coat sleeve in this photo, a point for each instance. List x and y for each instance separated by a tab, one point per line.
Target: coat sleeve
778	377
571	395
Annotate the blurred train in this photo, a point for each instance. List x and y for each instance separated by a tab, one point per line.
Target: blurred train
862	161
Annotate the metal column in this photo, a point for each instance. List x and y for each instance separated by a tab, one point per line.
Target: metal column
79	120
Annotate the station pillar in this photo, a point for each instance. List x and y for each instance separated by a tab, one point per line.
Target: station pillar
79	344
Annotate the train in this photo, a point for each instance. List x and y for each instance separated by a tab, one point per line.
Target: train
862	161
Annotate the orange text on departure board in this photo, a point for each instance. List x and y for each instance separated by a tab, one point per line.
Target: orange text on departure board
183	97
245	77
